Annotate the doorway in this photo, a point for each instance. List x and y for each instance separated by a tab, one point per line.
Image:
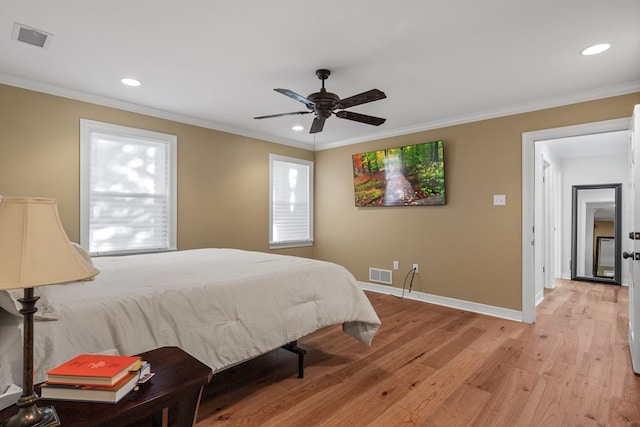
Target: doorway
531	205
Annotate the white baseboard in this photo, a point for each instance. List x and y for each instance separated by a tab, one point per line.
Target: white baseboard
539	298
489	310
635	351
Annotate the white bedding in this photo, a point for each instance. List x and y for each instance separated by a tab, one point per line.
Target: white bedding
222	306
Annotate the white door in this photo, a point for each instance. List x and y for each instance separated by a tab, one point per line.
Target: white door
633	255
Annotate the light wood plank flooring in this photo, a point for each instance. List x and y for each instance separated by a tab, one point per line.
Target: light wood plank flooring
436	366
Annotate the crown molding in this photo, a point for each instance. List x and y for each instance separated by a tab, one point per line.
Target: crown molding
140	109
584	96
589	95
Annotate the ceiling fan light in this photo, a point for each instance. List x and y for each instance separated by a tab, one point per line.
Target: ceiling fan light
595	49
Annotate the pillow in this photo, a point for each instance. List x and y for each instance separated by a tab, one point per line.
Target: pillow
9	299
85	255
9	302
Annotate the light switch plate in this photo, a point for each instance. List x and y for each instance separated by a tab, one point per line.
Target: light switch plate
499	200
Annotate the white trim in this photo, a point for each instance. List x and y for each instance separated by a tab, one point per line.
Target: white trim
588	95
293	244
528	203
141	109
488	310
635	356
539	297
88	126
310	194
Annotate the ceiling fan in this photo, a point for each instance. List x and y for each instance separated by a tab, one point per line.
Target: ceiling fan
323	104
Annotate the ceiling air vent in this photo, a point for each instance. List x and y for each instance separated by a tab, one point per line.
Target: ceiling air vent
31	35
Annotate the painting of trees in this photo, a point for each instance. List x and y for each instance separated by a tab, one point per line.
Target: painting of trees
409	175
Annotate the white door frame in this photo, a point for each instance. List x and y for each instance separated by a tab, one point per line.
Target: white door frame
529	235
541	222
633	245
557	223
549	226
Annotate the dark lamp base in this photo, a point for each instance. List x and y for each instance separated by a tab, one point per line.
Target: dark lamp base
33	416
29	414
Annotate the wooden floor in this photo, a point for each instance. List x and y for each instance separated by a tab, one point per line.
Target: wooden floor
436	366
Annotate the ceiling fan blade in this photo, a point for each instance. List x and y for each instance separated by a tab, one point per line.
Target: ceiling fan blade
362	118
300	98
317	125
283	114
361	98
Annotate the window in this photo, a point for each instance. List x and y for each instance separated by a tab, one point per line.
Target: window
127	189
291	210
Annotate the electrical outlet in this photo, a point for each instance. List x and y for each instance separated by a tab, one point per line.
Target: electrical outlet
396	265
415	268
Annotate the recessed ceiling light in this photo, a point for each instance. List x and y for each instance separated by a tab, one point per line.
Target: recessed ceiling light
297	128
130	82
596	48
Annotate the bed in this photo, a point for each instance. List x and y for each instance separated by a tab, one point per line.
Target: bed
223	306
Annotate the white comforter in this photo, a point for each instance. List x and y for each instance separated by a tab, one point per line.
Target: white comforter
222	306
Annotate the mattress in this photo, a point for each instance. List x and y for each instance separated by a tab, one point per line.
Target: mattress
222	306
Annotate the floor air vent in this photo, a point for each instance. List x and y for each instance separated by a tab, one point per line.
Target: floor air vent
380	275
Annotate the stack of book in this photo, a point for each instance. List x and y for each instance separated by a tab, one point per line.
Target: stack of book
95	378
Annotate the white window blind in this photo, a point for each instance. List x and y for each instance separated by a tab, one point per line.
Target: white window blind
291	210
128	189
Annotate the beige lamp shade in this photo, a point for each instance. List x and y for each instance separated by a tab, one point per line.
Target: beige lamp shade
34	248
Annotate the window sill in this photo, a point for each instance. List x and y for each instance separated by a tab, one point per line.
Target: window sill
131	252
284	245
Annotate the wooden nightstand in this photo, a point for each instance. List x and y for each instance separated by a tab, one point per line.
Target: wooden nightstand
177	385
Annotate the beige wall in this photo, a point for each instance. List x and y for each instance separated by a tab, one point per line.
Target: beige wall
603	229
223	179
467	249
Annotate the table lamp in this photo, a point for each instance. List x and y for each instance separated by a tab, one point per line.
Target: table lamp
34	251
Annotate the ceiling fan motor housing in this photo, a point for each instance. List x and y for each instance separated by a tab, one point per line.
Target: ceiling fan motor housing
325	102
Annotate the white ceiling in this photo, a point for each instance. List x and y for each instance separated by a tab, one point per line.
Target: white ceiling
593	145
215	63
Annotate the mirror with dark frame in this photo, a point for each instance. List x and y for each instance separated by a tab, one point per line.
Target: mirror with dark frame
596	233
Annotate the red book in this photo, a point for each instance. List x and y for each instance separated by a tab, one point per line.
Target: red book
94	393
93	369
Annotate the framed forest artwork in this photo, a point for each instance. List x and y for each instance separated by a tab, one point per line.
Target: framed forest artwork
412	175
